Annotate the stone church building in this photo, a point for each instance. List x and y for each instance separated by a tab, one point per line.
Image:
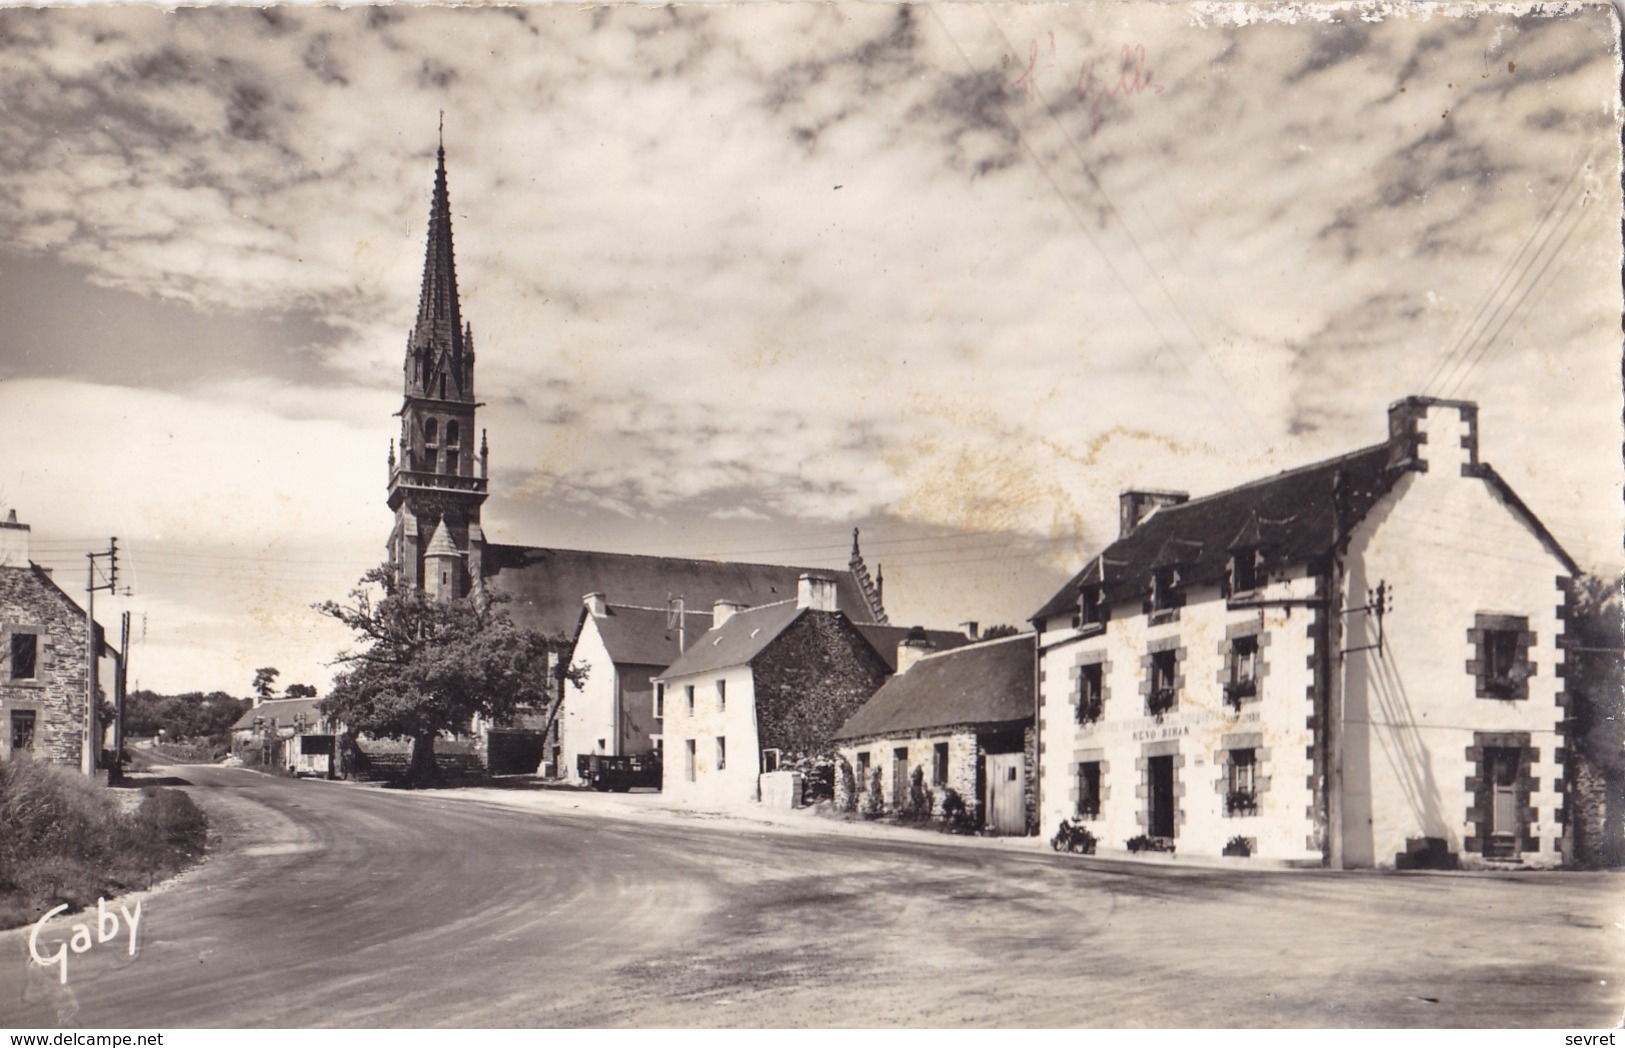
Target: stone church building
439	478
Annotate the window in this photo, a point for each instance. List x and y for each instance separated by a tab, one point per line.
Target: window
451	434
1090	694
1502	668
722	694
1241	782
22	730
1505	666
1243	682
1091	610
1089	790
660	700
24	656
1243	570
722	753
939	764
1161	697
431	441
1165	589
863	771
688	696
451	461
688	759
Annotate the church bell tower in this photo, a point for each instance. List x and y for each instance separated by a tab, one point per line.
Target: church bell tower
437	482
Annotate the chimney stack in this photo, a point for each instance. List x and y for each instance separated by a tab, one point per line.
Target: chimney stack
1134	506
913	648
13	542
723	610
816	592
595	604
971	629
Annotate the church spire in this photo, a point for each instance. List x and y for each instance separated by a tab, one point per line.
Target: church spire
440	362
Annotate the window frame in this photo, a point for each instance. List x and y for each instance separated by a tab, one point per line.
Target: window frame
32	636
939	764
1090	793
1090	700
1241	781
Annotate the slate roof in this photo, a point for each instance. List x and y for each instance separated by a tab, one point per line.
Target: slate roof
1288	517
639	637
736	641
884	640
284	710
547	584
981	685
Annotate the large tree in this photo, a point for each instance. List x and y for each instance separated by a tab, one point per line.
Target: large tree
425	666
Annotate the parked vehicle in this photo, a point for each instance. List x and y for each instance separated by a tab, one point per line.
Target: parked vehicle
618	774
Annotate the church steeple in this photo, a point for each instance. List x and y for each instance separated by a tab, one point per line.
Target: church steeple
440	351
438	481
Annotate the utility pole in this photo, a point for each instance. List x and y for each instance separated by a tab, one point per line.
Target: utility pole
121	688
88	760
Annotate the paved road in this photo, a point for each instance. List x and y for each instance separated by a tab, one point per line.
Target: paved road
329	905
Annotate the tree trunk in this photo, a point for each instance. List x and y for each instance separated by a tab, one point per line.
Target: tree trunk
424	770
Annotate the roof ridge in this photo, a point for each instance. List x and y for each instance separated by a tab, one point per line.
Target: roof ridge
1259	481
662	556
1023	635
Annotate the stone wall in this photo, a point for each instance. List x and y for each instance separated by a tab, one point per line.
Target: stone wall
810	680
31	603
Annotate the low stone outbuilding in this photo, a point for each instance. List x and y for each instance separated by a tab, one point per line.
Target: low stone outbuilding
956	724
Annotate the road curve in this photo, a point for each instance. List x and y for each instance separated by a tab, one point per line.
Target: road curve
330	905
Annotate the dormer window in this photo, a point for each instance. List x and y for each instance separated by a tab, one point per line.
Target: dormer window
1165	594
1243	571
1091	607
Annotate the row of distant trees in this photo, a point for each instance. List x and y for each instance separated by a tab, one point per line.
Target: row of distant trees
197	714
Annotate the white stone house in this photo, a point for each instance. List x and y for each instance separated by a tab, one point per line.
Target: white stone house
1355	663
960	720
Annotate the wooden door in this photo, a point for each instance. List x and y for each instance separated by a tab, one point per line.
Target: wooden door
1503	777
1006	795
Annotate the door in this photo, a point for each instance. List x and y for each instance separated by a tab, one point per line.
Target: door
1006	795
1161	797
899	778
1503	777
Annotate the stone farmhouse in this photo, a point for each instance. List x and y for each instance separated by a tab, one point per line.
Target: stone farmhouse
293	734
611	610
1355	663
763	688
42	659
961	722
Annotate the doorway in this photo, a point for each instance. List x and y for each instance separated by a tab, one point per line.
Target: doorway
1160	814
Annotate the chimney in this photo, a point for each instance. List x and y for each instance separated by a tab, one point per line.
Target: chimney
913	648
971	629
1427	434
596	605
723	610
13	542
1135	506
816	592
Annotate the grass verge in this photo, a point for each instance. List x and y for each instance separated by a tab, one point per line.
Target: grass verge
65	840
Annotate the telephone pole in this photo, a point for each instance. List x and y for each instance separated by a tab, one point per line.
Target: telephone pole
92	747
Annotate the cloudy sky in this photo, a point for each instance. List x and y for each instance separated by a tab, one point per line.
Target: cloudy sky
742	279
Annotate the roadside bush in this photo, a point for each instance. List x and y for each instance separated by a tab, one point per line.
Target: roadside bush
1238	847
846	794
64	840
956	814
874	803
920	800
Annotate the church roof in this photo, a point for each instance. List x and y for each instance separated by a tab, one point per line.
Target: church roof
546	585
441	545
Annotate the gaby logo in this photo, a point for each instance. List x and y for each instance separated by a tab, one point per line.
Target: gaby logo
80	940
